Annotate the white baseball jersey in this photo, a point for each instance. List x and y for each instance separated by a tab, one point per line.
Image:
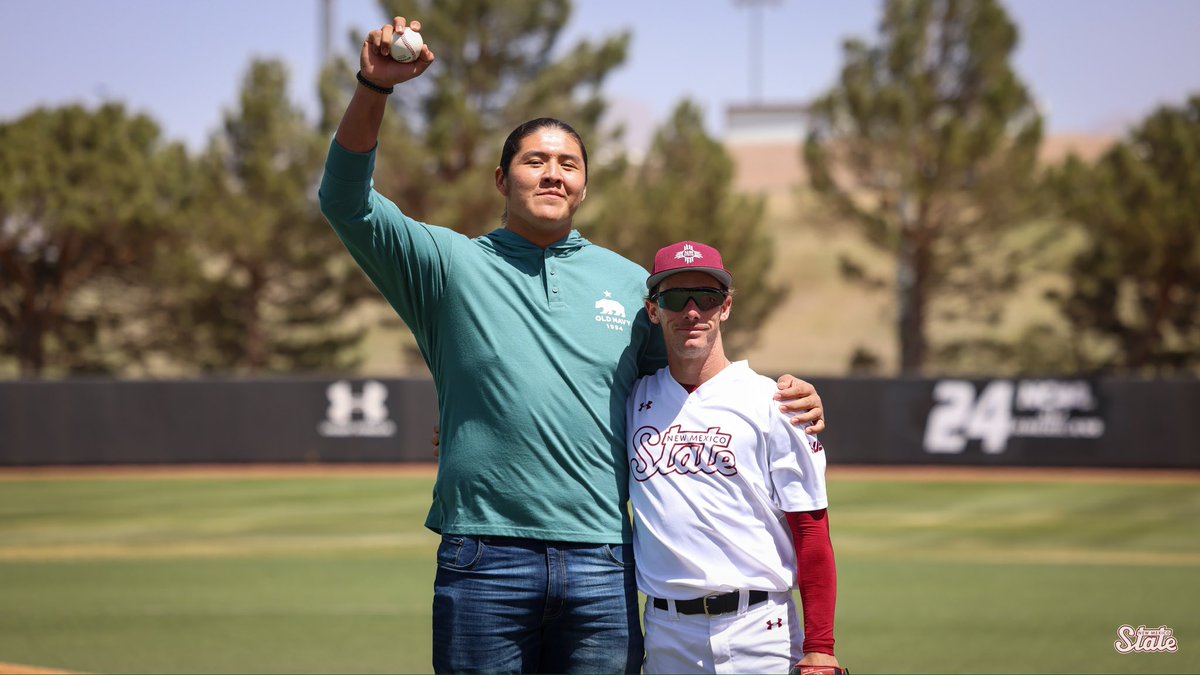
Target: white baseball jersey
711	475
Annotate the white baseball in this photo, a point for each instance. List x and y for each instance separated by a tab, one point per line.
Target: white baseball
407	46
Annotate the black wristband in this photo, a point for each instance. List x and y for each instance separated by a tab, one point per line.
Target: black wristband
372	86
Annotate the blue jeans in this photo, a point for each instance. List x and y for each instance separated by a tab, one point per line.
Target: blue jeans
504	605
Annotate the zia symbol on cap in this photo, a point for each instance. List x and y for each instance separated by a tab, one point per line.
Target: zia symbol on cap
688	254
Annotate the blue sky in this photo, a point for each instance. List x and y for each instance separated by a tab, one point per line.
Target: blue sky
1097	66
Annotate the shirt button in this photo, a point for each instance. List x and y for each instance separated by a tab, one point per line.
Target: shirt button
555	289
554	272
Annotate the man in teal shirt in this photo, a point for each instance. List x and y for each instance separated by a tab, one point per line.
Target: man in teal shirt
534	337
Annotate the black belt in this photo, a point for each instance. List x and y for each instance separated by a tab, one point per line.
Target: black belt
723	603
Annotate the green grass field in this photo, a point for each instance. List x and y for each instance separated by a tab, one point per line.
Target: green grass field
256	574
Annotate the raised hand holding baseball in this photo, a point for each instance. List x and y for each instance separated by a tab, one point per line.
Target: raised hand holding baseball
382	65
407	46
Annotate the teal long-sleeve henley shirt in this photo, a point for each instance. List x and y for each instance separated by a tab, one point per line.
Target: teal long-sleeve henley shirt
533	352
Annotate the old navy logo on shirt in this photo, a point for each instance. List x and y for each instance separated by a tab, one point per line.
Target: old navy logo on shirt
611	313
682	452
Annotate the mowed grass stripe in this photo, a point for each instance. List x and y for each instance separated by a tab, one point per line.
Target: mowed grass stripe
1103	518
205	517
1060	523
283	613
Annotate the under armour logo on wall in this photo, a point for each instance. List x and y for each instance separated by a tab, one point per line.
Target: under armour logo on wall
351	414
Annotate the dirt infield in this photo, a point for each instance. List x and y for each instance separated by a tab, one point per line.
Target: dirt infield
987	474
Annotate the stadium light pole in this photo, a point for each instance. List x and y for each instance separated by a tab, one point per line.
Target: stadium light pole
326	27
756	45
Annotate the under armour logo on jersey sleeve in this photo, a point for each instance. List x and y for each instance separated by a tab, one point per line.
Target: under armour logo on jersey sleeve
645	405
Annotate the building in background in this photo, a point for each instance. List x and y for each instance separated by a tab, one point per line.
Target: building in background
765	141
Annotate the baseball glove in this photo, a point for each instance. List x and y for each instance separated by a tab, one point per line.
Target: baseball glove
817	670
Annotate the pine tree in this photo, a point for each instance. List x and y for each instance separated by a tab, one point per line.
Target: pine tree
928	145
1134	301
88	199
269	288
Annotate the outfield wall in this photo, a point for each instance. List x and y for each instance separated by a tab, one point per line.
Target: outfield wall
1067	423
222	421
1014	422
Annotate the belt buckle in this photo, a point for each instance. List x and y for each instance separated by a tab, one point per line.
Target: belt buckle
706	599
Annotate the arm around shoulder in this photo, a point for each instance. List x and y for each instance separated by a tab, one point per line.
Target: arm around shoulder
799	399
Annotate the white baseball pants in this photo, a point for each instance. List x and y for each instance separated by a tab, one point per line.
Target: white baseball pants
765	638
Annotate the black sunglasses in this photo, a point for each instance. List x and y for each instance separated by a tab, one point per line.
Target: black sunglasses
676	299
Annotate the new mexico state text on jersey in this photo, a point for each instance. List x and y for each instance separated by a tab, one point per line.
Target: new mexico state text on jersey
678	451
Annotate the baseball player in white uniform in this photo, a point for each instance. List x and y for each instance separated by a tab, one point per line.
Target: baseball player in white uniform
729	498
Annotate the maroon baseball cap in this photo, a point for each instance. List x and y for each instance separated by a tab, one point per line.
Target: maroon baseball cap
688	256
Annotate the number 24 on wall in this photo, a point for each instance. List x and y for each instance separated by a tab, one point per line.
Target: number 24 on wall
957	417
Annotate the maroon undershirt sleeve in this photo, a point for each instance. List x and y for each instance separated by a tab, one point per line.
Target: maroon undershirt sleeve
816	576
